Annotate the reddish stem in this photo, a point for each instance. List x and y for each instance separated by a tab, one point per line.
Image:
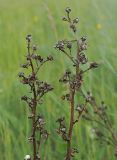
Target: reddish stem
34	107
68	156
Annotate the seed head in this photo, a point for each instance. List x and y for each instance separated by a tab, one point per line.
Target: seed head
24	98
69	45
93	65
49	58
21	74
83	39
64	19
68	10
34	47
76	20
73	27
28	37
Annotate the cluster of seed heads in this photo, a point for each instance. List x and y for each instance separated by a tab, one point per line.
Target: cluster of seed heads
72	23
62	128
37	89
103	129
73	79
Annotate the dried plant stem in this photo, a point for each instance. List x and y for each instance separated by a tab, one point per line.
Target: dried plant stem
69	56
107	124
34	129
72	121
34	107
101	118
68	156
77	57
72	108
33	123
74	82
37	90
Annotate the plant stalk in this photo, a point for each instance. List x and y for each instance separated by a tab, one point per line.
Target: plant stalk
69	149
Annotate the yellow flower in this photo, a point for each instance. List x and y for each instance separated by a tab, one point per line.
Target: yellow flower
99	26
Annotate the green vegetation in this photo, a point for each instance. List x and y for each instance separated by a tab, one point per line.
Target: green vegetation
41	18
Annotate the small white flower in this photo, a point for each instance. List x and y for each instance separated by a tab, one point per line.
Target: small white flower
63	129
27	157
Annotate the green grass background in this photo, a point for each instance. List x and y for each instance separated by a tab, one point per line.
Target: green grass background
42	19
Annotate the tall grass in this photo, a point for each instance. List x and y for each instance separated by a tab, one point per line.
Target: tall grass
42	20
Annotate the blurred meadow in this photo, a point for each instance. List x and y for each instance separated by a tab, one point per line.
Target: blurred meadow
42	19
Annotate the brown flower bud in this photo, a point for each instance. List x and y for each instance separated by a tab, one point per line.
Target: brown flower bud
68	10
49	58
64	19
93	65
28	38
76	20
